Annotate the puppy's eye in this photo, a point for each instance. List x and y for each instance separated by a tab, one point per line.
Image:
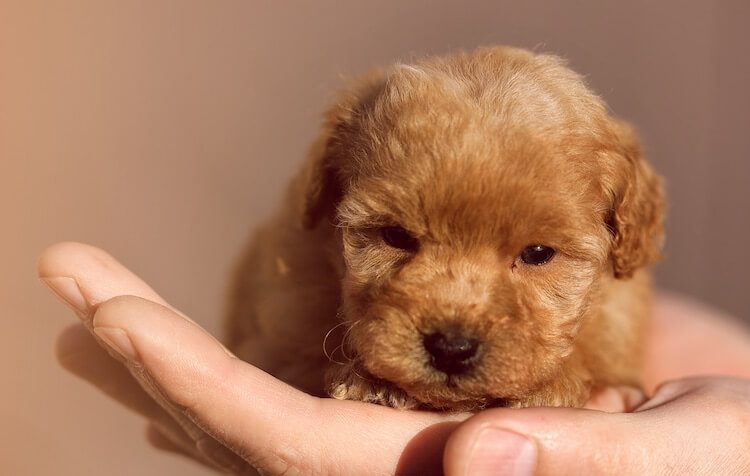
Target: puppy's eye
397	237
537	254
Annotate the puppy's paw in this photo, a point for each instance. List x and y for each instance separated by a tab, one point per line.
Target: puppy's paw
351	383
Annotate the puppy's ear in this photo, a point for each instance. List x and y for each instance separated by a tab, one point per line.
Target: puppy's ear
637	204
322	179
319	180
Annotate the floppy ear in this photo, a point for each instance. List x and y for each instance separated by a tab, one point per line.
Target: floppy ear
637	205
320	186
322	180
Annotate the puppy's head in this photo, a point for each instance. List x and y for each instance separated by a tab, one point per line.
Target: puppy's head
482	200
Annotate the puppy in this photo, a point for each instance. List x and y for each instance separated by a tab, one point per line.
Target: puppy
468	231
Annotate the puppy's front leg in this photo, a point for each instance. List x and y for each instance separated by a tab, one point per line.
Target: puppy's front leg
351	382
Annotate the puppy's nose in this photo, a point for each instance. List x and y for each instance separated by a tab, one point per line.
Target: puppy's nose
450	354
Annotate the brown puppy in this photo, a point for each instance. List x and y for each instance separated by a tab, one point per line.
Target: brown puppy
476	225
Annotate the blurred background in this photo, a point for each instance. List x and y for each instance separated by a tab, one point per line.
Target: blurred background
164	131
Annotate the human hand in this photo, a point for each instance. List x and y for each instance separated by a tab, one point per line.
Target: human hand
689	426
208	401
203	402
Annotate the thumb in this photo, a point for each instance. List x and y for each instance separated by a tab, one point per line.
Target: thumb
556	441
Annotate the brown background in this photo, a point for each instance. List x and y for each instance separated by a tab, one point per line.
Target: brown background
163	131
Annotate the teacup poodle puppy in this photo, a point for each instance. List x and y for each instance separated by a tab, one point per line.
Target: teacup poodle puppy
468	231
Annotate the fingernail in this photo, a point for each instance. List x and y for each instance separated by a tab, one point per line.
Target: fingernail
501	452
67	290
117	340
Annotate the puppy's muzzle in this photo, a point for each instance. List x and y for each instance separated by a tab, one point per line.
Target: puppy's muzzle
451	353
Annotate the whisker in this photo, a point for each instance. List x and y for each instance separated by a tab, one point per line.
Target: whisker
343	346
325	342
346	336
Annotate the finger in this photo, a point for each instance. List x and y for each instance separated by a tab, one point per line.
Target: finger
84	276
694	426
163	441
159	440
208	384
79	353
274	426
683	338
616	399
673	390
558	441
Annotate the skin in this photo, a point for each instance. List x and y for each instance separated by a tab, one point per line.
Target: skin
204	403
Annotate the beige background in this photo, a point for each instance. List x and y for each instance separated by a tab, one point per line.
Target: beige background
163	131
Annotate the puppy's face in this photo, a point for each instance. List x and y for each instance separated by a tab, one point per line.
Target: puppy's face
478	201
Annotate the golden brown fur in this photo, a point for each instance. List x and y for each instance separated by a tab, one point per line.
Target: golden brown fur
477	155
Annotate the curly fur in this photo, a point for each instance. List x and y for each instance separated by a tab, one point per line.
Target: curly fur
478	155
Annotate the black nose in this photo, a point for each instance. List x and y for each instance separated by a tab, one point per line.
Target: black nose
450	354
